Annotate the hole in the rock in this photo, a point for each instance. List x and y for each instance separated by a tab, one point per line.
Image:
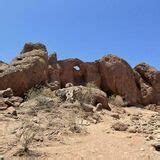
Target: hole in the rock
76	68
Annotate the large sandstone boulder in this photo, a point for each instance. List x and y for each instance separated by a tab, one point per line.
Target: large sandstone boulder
85	95
148	80
26	70
118	77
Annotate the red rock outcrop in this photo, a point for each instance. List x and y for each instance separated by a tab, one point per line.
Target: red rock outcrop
111	74
149	83
78	72
26	70
118	77
53	69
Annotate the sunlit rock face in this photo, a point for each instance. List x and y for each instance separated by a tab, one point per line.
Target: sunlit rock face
118	77
149	83
25	71
78	72
111	74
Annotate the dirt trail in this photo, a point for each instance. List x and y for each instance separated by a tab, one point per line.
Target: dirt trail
102	144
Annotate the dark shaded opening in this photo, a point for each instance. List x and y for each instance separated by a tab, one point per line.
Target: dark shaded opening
157	148
19	58
109	93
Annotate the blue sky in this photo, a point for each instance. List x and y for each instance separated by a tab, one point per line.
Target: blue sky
86	29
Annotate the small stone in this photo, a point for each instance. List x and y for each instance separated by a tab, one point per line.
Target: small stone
99	107
142	149
129	136
134	117
132	129
6	93
17	104
85	123
149	138
157	136
38	138
108	132
158	124
35	120
16	99
144	124
88	107
157	131
119	101
156	145
120	126
68	85
12	111
3	105
8	102
115	115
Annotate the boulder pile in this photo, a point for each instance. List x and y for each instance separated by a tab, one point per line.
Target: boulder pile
113	75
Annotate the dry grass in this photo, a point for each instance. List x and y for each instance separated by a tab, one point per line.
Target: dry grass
25	137
38	90
111	99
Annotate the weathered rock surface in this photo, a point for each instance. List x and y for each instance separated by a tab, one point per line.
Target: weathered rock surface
26	70
7	99
53	68
84	95
78	72
6	93
111	74
149	83
118	77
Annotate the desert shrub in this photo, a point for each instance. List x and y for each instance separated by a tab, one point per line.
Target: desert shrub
37	91
74	126
111	98
48	93
84	96
42	103
26	136
33	92
91	85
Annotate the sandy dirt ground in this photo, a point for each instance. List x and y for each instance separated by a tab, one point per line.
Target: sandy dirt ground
100	143
103	144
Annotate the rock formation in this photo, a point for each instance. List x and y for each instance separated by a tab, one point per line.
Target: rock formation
118	77
149	83
79	73
111	74
26	70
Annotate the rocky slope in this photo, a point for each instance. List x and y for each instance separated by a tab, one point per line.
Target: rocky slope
95	107
112	74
